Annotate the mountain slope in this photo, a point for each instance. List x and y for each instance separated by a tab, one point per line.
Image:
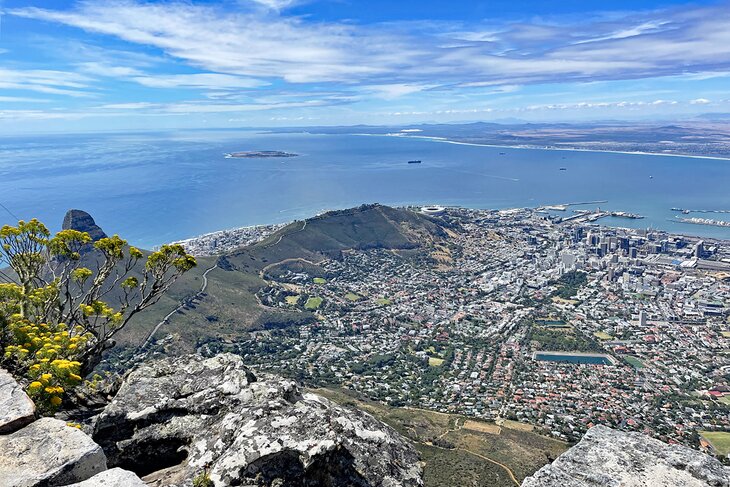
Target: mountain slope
327	235
229	306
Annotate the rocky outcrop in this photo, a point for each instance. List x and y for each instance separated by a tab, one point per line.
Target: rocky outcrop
48	453
83	222
610	458
16	408
114	477
175	418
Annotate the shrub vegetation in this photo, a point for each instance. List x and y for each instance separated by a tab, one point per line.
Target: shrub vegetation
66	297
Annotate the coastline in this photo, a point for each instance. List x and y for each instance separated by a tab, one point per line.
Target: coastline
533	147
270	228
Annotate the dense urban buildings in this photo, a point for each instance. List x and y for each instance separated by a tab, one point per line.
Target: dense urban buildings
636	321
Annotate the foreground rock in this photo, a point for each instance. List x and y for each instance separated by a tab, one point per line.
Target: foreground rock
16	408
606	457
115	477
48	453
174	417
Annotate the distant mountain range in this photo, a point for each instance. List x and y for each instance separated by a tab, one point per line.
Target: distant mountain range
707	135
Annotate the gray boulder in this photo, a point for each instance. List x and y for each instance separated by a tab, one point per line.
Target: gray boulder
174	418
115	477
610	458
48	453
16	408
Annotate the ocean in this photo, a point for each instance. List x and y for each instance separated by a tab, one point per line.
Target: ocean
153	188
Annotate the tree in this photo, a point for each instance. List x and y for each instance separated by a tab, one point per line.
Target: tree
67	297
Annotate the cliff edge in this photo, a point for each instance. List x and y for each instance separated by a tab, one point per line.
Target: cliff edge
173	419
610	458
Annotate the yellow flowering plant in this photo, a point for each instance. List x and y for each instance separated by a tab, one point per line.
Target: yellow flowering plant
46	354
56	319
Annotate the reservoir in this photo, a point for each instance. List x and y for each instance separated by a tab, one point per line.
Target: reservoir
574	358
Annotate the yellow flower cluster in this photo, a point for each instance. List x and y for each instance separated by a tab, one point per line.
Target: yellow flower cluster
48	352
42	342
100	308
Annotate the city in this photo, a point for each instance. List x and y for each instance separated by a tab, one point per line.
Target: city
458	330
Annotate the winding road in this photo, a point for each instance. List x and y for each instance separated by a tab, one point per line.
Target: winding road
166	319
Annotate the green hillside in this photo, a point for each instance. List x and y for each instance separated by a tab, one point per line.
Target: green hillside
327	235
229	306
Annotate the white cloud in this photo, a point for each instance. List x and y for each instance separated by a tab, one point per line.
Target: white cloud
276	4
395	90
127	106
251	44
646	27
105	69
198	80
22	99
51	82
700	101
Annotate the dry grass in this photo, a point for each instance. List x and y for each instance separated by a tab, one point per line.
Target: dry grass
482	427
513	445
516	425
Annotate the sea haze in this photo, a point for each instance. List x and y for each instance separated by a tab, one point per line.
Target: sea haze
154	188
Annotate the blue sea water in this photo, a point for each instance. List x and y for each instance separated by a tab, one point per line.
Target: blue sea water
157	187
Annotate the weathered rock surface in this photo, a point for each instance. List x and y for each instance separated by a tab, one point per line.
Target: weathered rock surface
173	417
16	408
114	477
48	453
83	222
610	458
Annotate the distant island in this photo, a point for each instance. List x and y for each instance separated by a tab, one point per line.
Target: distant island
259	154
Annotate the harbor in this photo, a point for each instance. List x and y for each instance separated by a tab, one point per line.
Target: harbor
687	211
590	216
703	221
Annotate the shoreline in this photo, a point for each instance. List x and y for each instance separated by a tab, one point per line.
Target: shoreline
277	226
530	147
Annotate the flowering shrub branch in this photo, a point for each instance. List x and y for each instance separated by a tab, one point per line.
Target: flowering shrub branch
58	318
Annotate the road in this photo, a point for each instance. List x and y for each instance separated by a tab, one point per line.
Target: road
166	319
287	234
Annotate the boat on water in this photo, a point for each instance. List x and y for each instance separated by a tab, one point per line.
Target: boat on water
502	153
563	168
414	162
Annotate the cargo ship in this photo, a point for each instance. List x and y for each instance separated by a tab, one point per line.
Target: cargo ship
414	162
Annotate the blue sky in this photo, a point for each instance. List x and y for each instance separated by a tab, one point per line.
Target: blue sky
133	64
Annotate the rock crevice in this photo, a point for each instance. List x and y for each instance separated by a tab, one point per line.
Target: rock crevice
215	415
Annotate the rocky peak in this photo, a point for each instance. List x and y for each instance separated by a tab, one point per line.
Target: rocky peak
610	458
175	418
83	222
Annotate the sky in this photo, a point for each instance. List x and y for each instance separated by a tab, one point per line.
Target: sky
96	65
